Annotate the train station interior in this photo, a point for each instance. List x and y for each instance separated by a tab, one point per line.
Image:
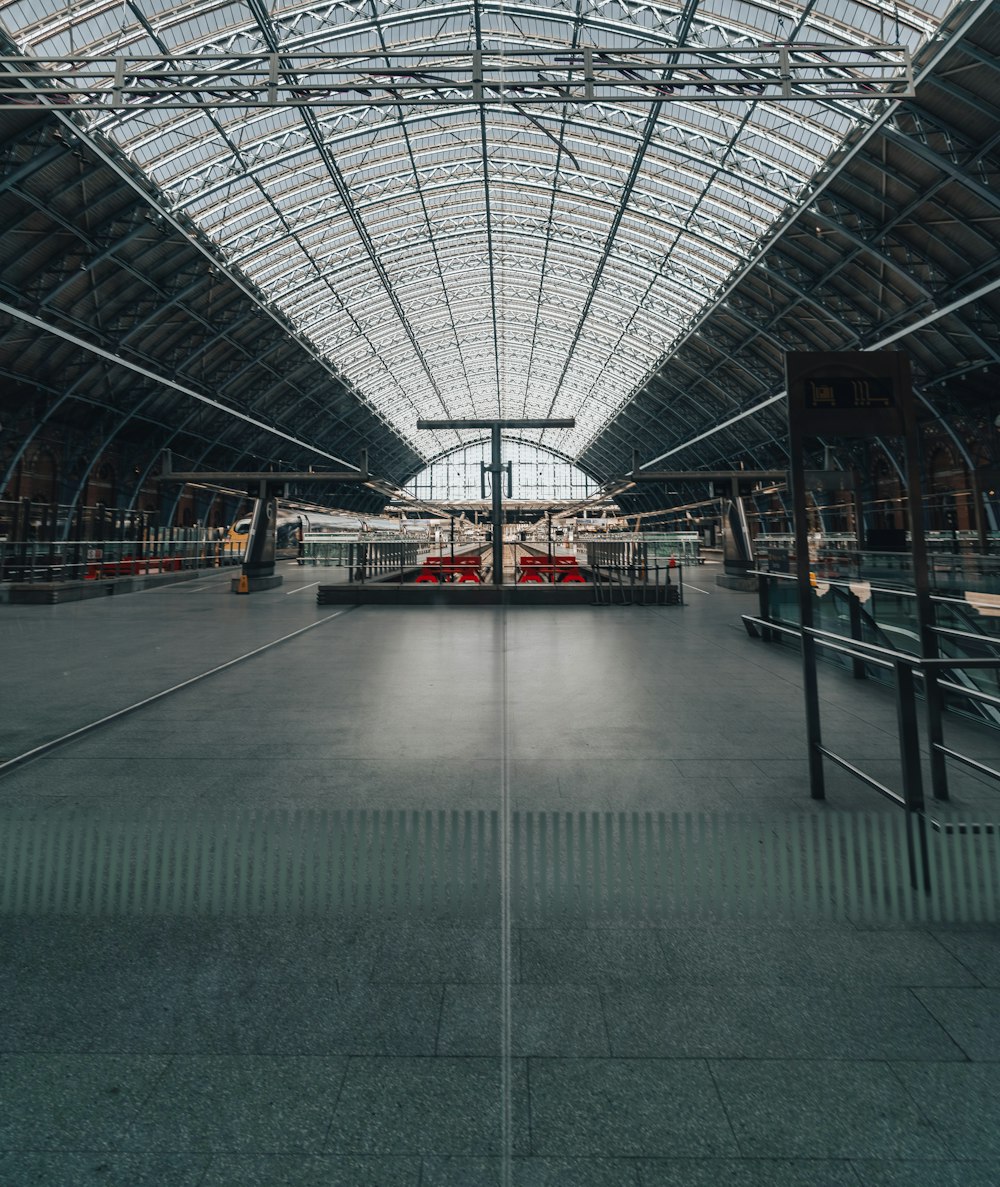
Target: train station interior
499	593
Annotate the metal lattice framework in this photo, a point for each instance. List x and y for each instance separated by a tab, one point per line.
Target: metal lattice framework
898	248
491	252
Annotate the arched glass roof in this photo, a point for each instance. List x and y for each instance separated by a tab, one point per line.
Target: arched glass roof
460	260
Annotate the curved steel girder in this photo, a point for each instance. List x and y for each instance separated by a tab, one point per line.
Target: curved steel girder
465	217
742	443
144	199
924	195
341	124
645	345
639	418
911	144
100	364
325	326
471	220
49	417
769	275
675	156
342	189
168	301
14	175
864	248
962	95
577	191
702	369
660	28
714	403
521	316
514	373
779	239
83	236
52	297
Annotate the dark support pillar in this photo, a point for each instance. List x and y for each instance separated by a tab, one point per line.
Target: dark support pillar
496	472
265	487
258	563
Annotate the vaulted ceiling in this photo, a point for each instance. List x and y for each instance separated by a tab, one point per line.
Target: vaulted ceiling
298	279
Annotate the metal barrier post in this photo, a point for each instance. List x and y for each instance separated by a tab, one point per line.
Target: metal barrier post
909	735
814	739
909	757
764	606
854	613
934	701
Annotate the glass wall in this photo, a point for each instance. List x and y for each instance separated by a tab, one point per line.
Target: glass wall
536	473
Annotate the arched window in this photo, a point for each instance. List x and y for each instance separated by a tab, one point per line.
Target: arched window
537	475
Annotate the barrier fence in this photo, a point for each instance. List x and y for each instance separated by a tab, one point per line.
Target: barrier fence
158	551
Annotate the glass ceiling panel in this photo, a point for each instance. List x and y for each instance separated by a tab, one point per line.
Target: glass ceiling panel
487	259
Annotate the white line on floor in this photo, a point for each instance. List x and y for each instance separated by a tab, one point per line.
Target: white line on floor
37	751
688	585
506	1020
301	588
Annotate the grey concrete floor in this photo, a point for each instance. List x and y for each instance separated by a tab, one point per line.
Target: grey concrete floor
654	986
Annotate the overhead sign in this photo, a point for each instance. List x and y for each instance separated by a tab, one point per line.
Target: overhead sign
832	392
848	393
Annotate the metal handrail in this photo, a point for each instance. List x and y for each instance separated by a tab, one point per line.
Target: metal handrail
906	668
945	632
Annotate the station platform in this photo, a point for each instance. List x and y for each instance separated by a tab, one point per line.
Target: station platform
513	895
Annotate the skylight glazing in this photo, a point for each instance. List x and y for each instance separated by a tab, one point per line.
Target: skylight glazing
478	260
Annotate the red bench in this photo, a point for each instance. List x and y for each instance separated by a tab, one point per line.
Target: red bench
537	569
99	570
464	569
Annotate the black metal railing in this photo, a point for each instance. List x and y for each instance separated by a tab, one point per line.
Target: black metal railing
36	562
379	559
909	673
887	616
638	585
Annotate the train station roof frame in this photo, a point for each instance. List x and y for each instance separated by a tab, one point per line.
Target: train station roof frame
476	260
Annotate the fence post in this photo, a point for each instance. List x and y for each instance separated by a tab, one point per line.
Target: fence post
854	613
913	787
934	699
764	607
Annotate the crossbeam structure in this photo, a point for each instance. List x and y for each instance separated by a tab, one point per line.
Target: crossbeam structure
708	475
762	73
253	478
264	486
